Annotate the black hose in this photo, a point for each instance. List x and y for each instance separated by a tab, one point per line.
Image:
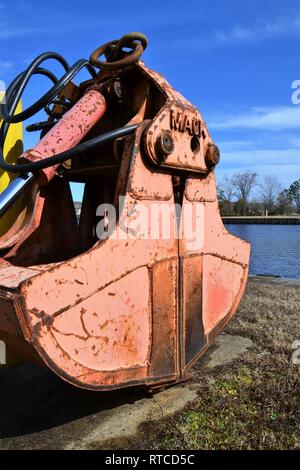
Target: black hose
16	89
14	94
7	112
71	153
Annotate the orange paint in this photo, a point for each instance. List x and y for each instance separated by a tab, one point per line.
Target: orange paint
133	310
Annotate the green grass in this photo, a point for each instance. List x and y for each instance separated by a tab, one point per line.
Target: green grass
253	403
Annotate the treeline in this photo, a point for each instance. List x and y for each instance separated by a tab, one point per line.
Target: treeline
244	193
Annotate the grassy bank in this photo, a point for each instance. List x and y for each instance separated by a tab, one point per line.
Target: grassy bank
253	403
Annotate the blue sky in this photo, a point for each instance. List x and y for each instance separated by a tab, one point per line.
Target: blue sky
234	59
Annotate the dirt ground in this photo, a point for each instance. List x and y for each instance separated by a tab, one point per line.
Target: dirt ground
253	403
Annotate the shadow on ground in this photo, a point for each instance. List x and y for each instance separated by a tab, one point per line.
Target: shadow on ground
33	399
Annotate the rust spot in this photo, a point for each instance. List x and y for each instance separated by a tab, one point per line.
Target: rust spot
37	313
47	320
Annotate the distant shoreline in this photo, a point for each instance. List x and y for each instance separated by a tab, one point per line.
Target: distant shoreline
263	220
274	280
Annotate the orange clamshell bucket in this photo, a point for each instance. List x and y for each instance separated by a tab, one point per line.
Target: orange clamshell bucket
125	310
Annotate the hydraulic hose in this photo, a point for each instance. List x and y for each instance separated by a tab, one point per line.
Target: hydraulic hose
69	154
7	112
16	89
20	183
14	94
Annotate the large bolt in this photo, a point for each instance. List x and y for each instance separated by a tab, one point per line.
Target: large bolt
165	144
118	89
212	156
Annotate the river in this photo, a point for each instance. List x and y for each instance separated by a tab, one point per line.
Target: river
275	248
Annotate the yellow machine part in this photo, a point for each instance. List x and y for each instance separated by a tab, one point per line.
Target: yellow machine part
12	150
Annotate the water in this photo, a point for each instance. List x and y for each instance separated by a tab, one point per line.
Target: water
275	248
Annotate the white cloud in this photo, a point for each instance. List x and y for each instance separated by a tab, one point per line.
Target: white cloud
277	118
265	157
264	29
6	64
9	32
284	163
230	145
284	26
295	142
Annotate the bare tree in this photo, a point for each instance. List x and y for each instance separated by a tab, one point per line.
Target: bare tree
227	189
270	188
243	183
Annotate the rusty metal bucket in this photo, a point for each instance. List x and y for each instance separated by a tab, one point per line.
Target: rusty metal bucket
128	309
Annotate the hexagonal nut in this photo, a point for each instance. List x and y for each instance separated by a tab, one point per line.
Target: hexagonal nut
164	144
212	156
